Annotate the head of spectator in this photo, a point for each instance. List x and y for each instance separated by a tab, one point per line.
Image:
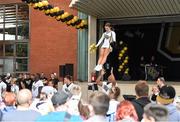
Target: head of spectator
47	92
50	83
24	99
166	95
32	76
13	81
160	82
98	104
126	111
155	113
114	93
68	79
59	100
37	77
83	110
142	89
9	99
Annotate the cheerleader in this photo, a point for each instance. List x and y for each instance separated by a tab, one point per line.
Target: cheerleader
107	37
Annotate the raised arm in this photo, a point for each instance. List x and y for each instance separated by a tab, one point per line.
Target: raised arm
98	80
101	39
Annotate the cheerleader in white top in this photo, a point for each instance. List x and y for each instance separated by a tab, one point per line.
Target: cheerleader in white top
108	37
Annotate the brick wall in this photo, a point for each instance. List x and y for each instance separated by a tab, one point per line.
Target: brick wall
52	43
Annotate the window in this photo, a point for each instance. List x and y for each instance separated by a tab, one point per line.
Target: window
14	38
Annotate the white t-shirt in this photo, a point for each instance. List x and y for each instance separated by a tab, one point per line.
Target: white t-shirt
106	86
35	87
67	88
107	37
15	88
111	114
3	87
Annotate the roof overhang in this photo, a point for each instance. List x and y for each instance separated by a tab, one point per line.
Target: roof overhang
127	8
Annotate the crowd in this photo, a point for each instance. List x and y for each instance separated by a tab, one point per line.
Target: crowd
35	98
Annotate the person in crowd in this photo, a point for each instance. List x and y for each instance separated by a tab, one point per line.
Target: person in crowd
98	106
27	81
7	80
20	82
60	114
114	93
155	113
14	86
68	84
106	85
3	87
10	101
83	110
126	112
43	104
155	90
54	79
108	37
23	113
166	97
36	84
142	98
74	100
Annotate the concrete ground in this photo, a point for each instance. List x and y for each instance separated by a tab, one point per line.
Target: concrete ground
127	87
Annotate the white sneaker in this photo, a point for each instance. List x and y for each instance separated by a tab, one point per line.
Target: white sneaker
98	67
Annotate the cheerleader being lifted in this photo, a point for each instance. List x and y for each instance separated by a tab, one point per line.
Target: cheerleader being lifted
107	37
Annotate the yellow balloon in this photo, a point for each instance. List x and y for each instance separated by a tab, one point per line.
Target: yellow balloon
119	70
121	67
122	51
40	4
58	17
56	9
125	48
45	3
125	61
127	58
75	18
121	55
35	5
126	72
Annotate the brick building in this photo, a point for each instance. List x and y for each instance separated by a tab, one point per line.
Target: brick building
42	46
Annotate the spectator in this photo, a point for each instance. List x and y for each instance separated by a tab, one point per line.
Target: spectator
166	97
36	84
10	101
98	106
44	105
142	90
126	112
83	110
3	87
74	100
59	101
55	80
23	113
68	84
14	86
155	113
114	93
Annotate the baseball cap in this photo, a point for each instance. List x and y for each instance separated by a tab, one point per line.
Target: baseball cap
59	98
166	95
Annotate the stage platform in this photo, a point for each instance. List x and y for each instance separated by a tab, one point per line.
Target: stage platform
127	87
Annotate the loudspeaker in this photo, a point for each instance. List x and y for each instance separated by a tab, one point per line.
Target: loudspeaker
61	70
69	70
